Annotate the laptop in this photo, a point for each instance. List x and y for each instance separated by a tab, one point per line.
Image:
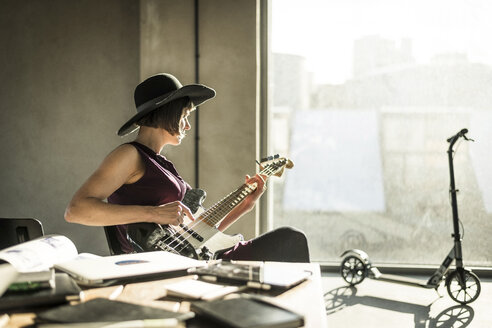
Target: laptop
267	276
117	269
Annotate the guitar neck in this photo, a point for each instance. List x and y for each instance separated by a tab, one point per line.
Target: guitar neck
217	212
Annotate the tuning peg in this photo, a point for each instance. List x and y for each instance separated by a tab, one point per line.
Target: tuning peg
270	158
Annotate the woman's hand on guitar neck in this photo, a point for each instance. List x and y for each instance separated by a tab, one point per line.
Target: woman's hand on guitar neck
171	213
248	203
250	200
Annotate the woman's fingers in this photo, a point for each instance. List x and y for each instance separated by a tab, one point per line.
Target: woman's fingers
188	213
173	213
259	180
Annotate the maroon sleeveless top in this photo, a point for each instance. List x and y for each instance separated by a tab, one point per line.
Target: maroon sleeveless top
160	184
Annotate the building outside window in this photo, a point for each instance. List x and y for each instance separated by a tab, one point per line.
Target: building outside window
363	95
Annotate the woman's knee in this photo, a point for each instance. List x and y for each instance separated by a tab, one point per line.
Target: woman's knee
291	233
292	236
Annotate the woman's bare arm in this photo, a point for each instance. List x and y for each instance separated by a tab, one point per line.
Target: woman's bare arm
121	166
247	204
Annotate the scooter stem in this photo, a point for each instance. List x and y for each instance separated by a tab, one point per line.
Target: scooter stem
453	191
452	188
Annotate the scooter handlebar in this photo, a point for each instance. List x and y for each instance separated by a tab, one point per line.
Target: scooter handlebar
458	135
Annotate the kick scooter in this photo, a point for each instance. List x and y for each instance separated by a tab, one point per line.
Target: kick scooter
463	286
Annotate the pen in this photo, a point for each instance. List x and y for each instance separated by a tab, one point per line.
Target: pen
146	323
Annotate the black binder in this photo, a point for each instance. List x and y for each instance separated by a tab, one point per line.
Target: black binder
105	310
247	312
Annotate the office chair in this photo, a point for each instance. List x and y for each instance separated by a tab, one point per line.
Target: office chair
14	231
113	243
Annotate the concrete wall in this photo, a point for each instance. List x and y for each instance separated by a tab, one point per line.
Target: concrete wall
68	70
167	37
67	73
228	143
228	63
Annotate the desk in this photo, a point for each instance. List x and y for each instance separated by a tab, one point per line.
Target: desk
306	298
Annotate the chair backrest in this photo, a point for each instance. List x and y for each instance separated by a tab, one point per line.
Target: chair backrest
113	243
14	231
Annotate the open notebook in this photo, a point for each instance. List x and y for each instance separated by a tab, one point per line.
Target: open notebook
108	270
267	275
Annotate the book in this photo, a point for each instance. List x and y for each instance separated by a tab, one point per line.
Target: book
60	253
27	281
30	264
247	312
199	290
8	274
39	254
64	290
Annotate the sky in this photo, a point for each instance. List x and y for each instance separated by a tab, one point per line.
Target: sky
323	31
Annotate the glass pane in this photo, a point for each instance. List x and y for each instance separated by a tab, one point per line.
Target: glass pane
364	95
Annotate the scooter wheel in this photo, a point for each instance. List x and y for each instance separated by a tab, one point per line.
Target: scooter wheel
353	270
466	292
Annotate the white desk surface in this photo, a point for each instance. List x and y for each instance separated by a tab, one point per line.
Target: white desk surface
306	298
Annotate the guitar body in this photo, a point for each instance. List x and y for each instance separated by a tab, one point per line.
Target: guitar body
197	240
222	241
200	239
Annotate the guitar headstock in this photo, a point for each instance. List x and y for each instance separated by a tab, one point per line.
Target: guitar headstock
275	165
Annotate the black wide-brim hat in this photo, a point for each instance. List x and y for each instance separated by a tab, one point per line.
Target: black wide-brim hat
160	89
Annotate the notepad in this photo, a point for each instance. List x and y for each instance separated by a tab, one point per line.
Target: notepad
199	290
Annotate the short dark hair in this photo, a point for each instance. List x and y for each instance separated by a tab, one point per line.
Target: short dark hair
167	116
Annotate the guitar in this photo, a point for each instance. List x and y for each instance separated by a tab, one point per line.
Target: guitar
200	239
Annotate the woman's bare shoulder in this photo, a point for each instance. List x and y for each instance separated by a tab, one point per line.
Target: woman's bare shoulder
123	156
124	151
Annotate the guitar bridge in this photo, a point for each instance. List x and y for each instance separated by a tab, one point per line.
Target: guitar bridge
205	254
192	232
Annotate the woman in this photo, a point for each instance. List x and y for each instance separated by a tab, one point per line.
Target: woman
141	185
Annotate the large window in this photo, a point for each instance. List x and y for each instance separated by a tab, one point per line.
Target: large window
363	96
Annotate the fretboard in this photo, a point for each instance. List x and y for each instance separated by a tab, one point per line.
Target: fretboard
217	212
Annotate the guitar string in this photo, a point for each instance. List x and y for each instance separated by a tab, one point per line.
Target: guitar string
172	238
216	213
242	192
203	217
219	211
179	240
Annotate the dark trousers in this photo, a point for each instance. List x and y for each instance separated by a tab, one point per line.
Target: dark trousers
285	244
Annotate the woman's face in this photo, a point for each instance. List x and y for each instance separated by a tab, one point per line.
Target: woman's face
184	125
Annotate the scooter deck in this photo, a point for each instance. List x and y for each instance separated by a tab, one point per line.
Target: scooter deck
404	280
376	274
